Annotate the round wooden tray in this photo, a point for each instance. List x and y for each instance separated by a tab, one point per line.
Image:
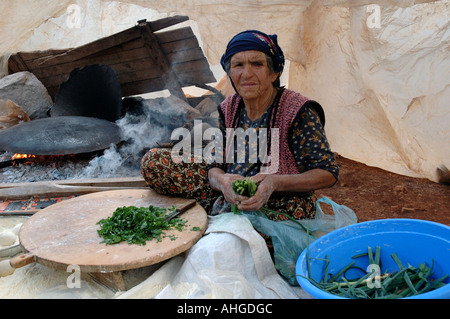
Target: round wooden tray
66	233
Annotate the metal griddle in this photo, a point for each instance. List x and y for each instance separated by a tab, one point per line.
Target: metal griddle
60	135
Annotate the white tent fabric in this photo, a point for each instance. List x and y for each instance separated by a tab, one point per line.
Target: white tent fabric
379	70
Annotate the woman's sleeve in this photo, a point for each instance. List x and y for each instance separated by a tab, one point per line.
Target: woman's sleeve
309	143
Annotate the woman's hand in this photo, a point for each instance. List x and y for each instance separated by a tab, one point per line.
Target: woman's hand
266	186
223	182
227	189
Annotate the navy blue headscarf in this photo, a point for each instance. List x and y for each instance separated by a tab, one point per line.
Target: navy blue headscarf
255	40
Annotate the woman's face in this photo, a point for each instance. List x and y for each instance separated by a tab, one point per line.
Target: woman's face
251	75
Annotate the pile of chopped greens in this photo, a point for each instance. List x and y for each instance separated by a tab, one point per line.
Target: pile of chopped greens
137	225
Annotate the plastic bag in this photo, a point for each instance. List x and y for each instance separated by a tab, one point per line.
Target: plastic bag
289	238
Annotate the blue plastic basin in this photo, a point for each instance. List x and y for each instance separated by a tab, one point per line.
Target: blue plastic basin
415	242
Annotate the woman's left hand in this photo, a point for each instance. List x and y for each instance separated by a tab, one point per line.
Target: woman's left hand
266	186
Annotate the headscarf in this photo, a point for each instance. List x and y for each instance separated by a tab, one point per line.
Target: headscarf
255	40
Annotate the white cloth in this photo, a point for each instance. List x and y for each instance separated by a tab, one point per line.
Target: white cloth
230	261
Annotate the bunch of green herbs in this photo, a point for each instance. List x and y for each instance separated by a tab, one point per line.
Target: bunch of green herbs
137	225
248	187
406	282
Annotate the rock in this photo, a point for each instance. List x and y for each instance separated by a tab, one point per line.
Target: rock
206	106
11	114
170	111
398	190
408	210
24	89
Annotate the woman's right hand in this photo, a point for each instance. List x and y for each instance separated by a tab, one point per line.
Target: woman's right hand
222	182
227	189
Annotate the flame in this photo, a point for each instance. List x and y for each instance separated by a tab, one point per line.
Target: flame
22	156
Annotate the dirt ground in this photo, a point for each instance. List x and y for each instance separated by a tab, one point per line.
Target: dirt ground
373	193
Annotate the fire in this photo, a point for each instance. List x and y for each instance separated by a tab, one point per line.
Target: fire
22	156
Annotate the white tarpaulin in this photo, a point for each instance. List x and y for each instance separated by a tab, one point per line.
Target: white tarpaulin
379	70
230	261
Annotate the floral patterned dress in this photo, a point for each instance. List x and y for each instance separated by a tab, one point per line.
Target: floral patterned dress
309	146
190	180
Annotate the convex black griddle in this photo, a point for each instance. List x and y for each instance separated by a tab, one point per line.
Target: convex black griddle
82	117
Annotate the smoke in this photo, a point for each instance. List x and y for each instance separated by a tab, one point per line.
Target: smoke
145	124
140	129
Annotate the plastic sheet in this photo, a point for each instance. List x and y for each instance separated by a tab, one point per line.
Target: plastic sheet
290	239
230	261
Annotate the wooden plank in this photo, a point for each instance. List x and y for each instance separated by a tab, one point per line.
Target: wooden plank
110	59
25	212
175	35
191	66
33	55
16	64
161	62
112	280
154	25
199	77
139	87
144	73
167	22
100	182
185	56
52	91
185	44
126	72
89	49
53	191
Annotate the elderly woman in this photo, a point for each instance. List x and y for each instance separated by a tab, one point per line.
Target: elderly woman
301	155
254	63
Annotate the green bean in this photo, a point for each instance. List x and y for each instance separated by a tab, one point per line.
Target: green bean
407	281
377	255
369	252
397	261
325	277
340	272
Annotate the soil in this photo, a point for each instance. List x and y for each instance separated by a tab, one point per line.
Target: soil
373	193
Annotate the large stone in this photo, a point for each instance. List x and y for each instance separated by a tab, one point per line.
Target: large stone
24	89
206	106
171	111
